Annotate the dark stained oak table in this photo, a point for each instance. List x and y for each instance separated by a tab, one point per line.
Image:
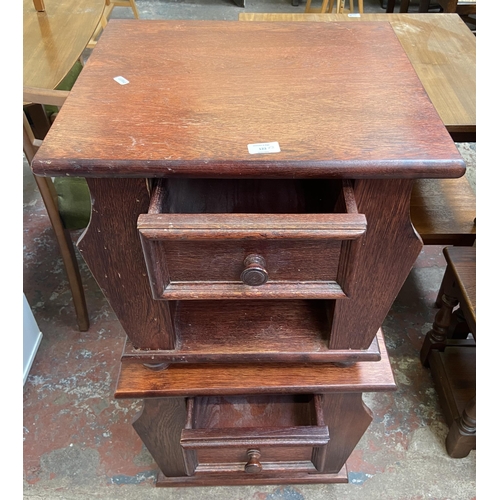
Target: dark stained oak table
442	50
250	191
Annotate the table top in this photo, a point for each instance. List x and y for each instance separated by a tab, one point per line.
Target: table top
441	48
340	99
54	40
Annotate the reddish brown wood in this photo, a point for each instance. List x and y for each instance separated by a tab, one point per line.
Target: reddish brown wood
136	381
236	479
159	425
383	261
113	252
192	115
252	332
347	418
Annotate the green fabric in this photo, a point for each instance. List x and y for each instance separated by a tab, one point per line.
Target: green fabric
66	84
73	198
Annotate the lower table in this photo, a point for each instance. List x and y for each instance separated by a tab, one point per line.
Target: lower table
239	424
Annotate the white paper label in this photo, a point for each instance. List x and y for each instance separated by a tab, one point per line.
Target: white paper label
121	80
353	15
264	147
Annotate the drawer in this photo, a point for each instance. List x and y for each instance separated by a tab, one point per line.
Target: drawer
254	435
232	253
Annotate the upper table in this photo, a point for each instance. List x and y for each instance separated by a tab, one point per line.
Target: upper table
349	114
441	48
53	40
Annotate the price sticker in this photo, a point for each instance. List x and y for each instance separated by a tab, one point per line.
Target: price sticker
264	147
121	80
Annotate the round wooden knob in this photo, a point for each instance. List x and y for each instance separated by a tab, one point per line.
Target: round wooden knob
253	465
255	273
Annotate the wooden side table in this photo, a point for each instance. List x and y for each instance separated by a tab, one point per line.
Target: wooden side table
451	357
250	228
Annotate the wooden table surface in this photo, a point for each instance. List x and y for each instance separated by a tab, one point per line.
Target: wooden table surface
54	40
341	99
441	48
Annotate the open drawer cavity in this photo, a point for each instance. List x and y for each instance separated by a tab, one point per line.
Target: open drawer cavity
261	239
254	434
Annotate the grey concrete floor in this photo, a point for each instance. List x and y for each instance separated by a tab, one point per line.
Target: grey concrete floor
78	441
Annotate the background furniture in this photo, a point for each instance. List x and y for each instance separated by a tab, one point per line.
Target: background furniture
49	196
103	21
239	278
53	40
451	354
327	6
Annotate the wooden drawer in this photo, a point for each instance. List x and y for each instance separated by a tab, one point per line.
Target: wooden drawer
254	435
226	239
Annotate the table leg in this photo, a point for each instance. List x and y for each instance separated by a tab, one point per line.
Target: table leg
384	258
112	249
461	438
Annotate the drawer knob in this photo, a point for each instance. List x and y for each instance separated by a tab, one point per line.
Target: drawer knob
255	273
253	465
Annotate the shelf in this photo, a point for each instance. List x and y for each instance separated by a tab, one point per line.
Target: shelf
252	332
137	381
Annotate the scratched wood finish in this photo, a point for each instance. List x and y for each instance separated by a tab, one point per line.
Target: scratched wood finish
137	381
113	252
53	40
208	89
389	250
441	48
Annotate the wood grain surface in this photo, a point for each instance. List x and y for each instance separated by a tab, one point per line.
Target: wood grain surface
441	48
53	40
209	89
136	381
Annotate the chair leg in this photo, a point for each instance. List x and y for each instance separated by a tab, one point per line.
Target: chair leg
67	252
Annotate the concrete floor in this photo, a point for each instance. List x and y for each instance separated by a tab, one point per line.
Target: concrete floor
78	441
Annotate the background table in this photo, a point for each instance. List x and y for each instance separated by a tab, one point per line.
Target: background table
441	48
54	40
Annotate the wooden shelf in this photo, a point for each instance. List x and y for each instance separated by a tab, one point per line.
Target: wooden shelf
137	381
252	332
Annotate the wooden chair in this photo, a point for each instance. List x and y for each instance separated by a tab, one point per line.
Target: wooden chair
328	5
108	9
49	196
450	351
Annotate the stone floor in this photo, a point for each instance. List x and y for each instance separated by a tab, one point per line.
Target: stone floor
78	441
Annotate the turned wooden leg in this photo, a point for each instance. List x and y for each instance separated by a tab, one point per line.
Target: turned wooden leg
447	285
436	337
461	438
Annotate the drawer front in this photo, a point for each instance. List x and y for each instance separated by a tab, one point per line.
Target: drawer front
294	438
221	256
254	460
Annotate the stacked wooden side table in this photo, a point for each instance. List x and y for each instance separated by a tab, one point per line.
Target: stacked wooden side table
250	228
